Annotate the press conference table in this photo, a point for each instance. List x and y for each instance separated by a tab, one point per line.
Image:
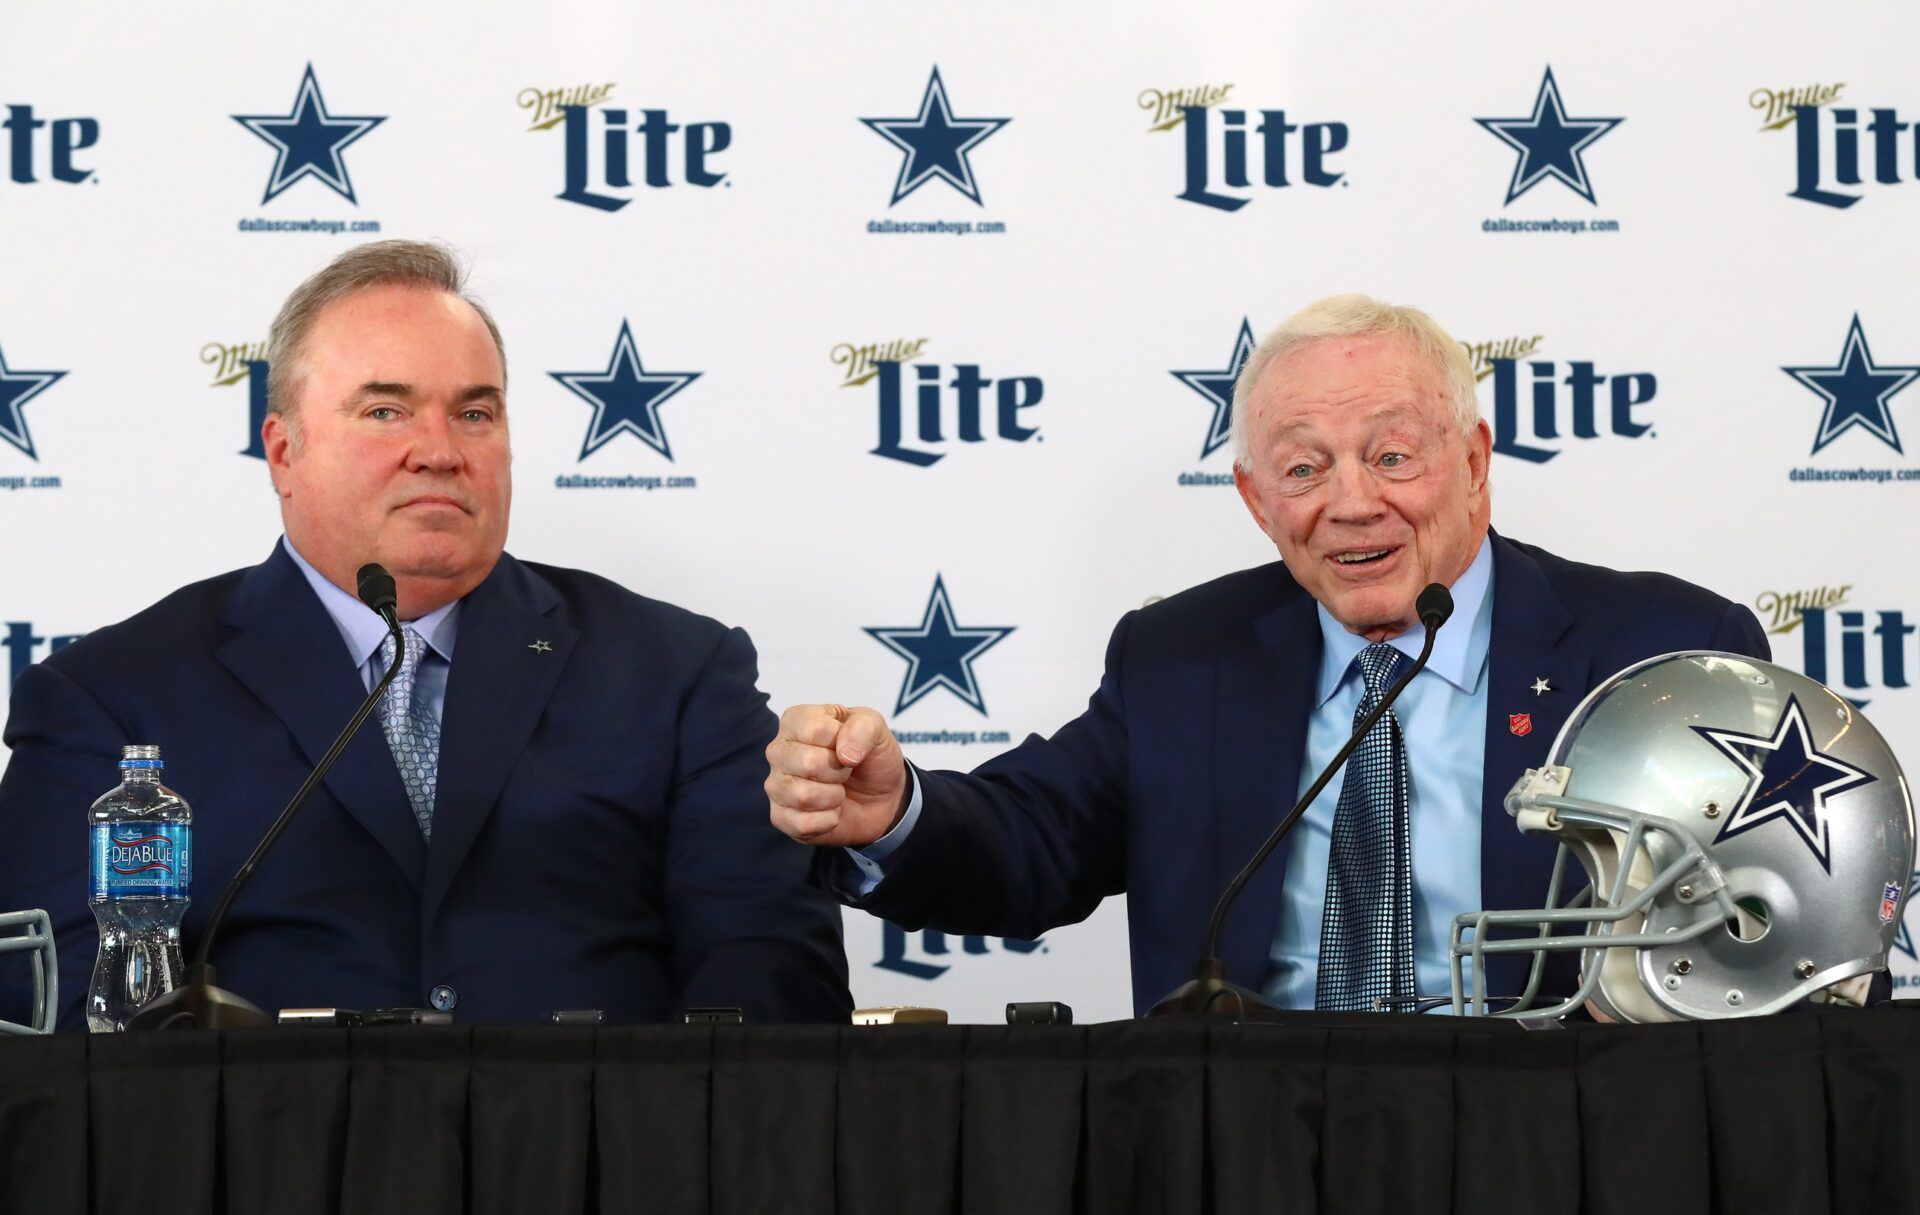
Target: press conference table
1336	1112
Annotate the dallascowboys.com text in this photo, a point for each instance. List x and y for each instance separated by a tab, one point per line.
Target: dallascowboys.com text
575	481
1879	476
964	738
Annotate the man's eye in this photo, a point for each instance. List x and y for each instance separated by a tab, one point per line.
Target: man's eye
383	413
1393	459
476	415
1300	471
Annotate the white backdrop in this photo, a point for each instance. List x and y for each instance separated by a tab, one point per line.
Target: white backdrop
136	278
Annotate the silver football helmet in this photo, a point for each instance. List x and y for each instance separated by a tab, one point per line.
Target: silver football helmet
1747	838
29	932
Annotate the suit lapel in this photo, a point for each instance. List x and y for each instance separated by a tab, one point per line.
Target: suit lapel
1265	695
513	643
287	652
1530	626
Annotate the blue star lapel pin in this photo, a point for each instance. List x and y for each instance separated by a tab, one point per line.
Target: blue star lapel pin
939	653
1857	391
935	144
625	397
1549	143
16	389
308	141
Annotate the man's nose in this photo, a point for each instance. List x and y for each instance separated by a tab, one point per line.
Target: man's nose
1352	494
436	447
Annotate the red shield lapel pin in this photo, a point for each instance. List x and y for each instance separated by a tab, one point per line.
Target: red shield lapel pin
1520	723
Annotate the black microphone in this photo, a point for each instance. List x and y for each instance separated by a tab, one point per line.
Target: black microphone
1208	990
198	1003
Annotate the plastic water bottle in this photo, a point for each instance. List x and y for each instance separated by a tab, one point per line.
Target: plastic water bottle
142	871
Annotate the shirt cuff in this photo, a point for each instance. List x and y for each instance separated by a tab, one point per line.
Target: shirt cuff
871	860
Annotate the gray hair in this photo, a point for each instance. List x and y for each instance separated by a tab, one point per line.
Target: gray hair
1356	315
380	263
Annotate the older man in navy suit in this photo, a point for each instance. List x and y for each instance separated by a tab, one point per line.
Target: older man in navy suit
1361	454
559	806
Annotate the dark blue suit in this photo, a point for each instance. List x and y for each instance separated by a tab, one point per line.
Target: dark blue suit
600	834
1189	754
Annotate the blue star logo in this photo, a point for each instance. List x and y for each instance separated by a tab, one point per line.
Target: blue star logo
1217	388
936	143
1549	142
308	141
1788	779
939	653
1856	391
625	397
1903	936
16	389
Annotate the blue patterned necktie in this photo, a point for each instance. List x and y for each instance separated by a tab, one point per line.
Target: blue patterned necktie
1366	928
411	731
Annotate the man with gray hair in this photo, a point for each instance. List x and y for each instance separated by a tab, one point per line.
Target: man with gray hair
1360	452
560	807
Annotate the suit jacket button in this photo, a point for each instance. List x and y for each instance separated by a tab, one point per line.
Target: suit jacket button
443	998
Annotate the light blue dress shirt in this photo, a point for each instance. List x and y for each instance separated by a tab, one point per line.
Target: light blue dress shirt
363	631
1443	718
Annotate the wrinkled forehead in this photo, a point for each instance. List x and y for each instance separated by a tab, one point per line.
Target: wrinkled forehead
1375	380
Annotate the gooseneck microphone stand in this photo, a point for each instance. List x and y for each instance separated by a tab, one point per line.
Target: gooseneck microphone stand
199	1003
1209	991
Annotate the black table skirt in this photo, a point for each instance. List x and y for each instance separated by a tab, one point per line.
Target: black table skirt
1804	1114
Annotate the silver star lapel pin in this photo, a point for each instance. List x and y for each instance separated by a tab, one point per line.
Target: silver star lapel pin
541	647
1541	685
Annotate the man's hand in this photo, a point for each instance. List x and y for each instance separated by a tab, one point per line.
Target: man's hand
836	777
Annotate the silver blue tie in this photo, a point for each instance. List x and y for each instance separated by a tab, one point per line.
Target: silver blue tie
411	731
1366	927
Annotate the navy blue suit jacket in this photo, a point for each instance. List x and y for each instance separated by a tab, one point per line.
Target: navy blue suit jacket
1189	754
600	837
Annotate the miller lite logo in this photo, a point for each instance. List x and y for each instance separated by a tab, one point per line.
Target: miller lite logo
605	147
1837	147
1232	149
954	403
1592	401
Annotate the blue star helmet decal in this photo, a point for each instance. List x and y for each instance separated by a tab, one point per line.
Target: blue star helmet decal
1857	391
939	653
935	143
1787	779
625	397
1217	388
308	141
16	389
1549	142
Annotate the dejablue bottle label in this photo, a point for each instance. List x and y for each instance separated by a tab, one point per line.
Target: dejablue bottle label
148	859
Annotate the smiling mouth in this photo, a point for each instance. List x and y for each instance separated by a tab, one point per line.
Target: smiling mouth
1363	556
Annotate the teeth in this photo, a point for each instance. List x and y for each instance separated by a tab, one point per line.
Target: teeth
1356	558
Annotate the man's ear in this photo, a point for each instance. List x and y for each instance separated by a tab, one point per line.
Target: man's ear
1480	454
276	438
1244	483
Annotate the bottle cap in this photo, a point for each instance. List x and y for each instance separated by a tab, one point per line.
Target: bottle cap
142	755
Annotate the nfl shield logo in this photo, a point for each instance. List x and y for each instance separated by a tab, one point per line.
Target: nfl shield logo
1889	902
1520	723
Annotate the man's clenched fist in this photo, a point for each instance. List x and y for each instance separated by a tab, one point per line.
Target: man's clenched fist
836	777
